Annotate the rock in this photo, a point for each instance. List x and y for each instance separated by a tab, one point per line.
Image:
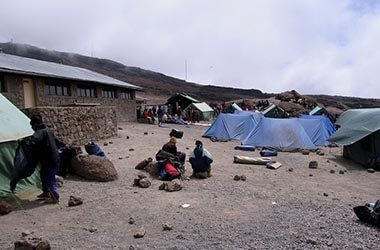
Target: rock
26	233
180	237
325	194
243	178
332	171
329	243
127	137
92	167
174	185
144	183
310	175
142	176
110	142
371	170
305	152
105	144
187	148
120	157
341	172
131	220
145	133
143	164
311	241
140	233
5	208
313	164
328	161
32	244
236	178
162	186
59	180
167	227
74	201
131	149
120	128
291	169
320	153
93	230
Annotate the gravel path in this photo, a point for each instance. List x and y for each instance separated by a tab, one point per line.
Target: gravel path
272	209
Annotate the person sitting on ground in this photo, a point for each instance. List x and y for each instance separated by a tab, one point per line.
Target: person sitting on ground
44	144
146	116
170	151
200	160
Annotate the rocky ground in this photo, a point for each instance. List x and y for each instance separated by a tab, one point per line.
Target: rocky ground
273	209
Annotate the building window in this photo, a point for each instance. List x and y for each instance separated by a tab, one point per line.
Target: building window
85	91
127	95
109	93
59	89
2	84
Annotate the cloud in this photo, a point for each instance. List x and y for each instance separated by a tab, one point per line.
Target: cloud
321	46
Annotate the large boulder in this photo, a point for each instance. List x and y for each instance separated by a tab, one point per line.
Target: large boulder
5	208
95	168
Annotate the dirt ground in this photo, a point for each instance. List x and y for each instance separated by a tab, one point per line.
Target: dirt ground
272	209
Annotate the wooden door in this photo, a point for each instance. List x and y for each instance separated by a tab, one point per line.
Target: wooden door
29	93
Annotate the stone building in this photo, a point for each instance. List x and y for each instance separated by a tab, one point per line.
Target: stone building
30	83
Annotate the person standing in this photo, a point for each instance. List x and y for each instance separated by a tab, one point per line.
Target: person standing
43	143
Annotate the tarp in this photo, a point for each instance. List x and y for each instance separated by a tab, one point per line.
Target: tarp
318	127
282	134
233	126
355	124
13	123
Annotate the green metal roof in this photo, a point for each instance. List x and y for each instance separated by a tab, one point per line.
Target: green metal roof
14	124
316	110
271	108
202	106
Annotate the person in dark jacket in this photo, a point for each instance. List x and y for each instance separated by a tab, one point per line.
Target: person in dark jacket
171	148
44	145
200	160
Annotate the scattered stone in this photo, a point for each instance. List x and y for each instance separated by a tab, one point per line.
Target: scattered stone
59	180
92	167
120	128
187	148
144	163
127	137
305	152
140	233
187	178
5	208
325	194
311	241
243	178
120	157
167	227
310	175
174	185
74	201
320	153
105	144
26	233
145	133
371	170
152	133
131	221
134	247
329	243
131	149
142	176
91	229
31	244
236	178
332	171
180	237
313	164
162	186
144	183
291	169
110	142
341	172
328	161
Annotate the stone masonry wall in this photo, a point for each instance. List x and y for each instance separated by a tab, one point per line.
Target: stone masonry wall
78	124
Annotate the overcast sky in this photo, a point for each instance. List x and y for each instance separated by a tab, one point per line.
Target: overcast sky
313	46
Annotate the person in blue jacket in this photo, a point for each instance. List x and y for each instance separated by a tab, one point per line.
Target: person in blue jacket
44	145
200	160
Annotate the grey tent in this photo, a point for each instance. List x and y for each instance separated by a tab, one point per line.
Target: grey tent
359	133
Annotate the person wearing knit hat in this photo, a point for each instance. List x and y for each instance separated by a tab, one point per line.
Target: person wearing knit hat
171	148
173	139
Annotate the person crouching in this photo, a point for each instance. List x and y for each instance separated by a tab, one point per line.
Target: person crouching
200	160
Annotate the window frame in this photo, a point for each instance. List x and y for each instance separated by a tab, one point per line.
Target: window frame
57	88
126	95
86	91
109	93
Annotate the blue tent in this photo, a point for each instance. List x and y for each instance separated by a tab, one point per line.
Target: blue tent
327	122
282	134
316	130
233	126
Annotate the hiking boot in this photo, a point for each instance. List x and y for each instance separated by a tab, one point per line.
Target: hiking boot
51	200
44	196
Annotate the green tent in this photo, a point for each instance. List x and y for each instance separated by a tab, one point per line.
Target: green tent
14	125
206	112
359	133
319	111
274	111
231	108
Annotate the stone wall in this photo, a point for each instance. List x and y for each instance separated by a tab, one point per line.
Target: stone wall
78	124
125	109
